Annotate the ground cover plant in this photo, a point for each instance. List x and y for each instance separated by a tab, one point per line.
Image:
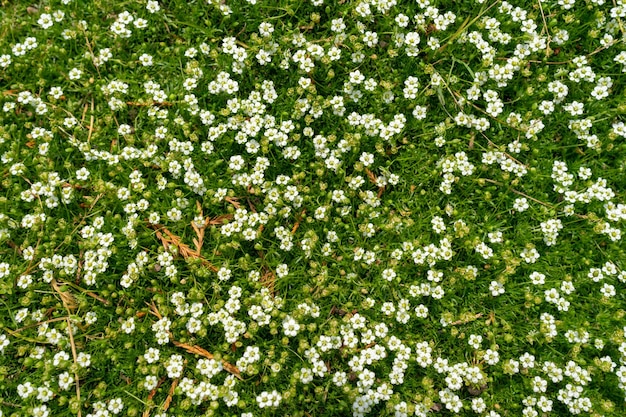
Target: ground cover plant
312	208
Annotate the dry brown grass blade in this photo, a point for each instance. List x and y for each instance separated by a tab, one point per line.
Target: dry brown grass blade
151	395
154	310
197	350
219	219
97	297
154	390
199	230
371	176
68	300
76	378
233	201
374	180
91	120
183	249
170	395
150	103
15	247
298	220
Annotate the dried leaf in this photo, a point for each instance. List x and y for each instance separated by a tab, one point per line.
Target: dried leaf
298	220
338	311
475	391
183	249
68	300
154	310
268	279
436	407
219	219
371	176
374	180
199	230
233	201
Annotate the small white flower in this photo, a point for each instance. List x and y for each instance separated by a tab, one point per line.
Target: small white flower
45	21
82	174
145	60
521	204
153	6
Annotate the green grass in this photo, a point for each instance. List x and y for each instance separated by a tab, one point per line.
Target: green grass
280	229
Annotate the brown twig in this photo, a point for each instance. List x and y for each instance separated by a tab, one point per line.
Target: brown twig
90	293
504	153
154	310
82	118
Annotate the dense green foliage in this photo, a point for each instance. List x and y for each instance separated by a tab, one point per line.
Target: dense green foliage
312	208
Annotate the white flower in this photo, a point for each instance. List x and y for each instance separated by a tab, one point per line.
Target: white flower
153	6
269	399
290	326
366	158
145	60
496	288
491	357
65	381
266	29
45	21
82	174
475	341
174	366
521	204
115	405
